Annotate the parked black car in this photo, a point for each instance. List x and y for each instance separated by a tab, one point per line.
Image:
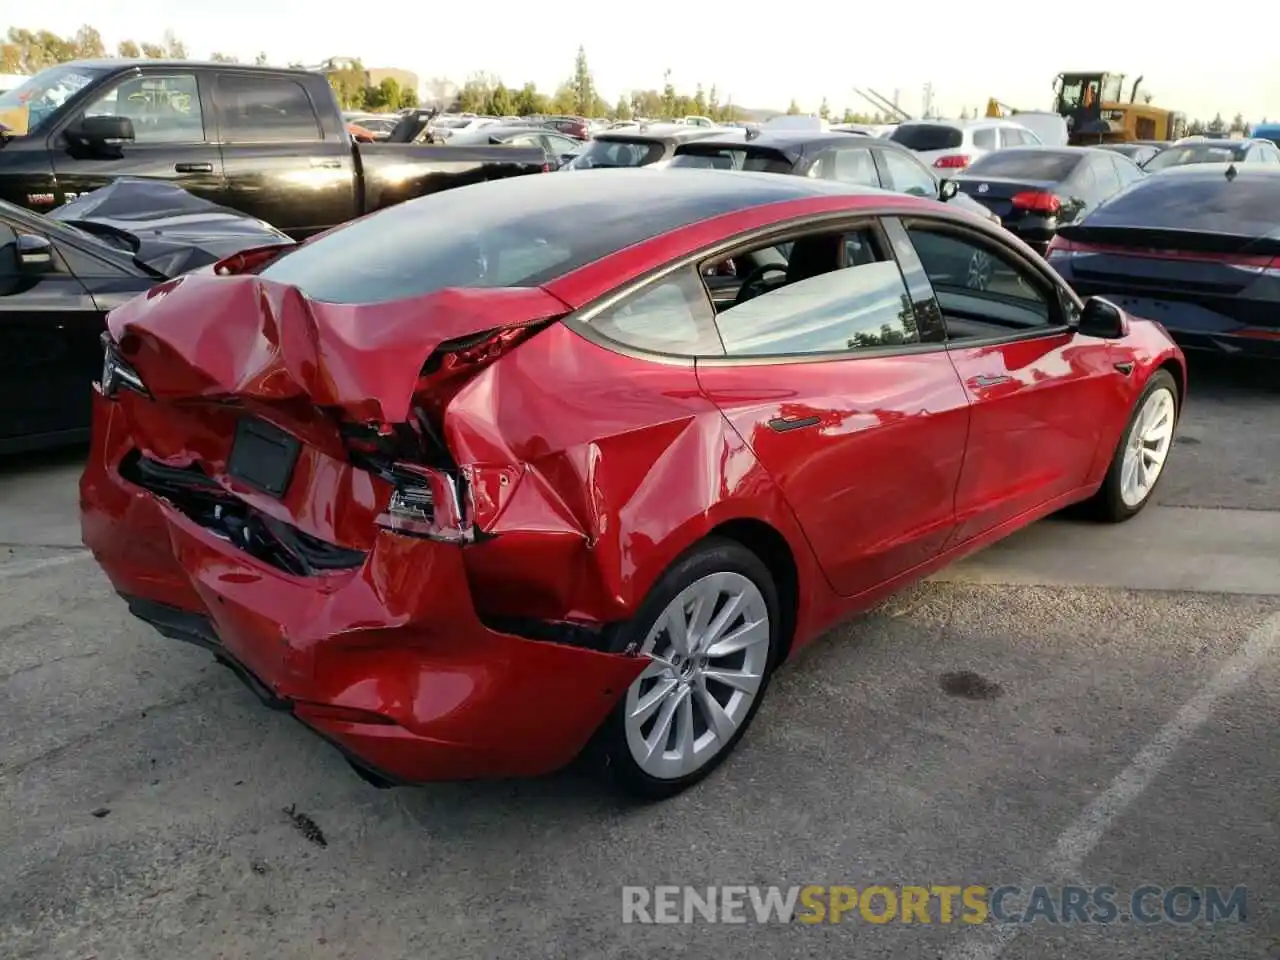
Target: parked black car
59	277
1222	150
1139	151
849	157
1034	190
641	146
558	147
1195	248
267	141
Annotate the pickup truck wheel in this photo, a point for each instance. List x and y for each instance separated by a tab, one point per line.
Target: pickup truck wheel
710	629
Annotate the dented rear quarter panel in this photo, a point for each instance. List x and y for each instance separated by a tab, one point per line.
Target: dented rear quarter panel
627	464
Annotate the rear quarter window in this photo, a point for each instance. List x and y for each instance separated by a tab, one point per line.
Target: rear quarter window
927	136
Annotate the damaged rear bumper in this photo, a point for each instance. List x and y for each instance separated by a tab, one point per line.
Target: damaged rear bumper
389	661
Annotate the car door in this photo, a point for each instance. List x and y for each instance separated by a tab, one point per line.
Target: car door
49	351
1039	390
847	399
174	137
559	147
283	165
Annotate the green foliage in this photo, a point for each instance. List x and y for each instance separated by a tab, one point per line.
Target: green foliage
793	109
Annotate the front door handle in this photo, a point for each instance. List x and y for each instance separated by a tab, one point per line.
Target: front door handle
989	380
193	167
783	424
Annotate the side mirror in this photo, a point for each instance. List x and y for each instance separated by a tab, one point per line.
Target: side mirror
35	254
103	131
947	189
1102	319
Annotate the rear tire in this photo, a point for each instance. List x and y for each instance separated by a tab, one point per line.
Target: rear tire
710	626
1141	455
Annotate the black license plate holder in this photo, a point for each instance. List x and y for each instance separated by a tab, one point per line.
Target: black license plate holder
263	456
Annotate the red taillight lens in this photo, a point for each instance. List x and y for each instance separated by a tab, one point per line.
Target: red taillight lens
1036	201
248	259
954	161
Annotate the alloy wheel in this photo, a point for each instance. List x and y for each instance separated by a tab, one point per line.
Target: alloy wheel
709	652
1147	447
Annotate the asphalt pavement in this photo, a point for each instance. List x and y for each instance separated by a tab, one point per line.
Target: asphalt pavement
1079	706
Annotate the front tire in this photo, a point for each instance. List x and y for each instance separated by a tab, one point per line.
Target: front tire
1140	458
710	628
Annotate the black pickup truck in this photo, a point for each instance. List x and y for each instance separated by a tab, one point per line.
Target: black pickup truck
267	141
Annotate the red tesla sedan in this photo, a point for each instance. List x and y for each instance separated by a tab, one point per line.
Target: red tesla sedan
552	464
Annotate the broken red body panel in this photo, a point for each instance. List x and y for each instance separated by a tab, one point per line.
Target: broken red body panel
399	657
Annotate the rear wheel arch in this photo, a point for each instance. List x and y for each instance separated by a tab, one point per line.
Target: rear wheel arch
773	550
1178	370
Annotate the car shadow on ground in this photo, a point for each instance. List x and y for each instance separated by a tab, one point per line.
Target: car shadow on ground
1224	377
15	463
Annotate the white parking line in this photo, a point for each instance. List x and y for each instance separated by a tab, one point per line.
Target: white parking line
1088	829
20	568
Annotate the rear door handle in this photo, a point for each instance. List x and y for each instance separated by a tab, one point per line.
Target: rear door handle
326	164
783	424
193	167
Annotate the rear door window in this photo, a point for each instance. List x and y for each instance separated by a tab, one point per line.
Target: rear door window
927	136
258	108
757	159
907	175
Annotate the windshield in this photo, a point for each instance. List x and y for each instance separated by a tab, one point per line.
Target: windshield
1025	165
754	159
927	136
27	108
617	153
1192	153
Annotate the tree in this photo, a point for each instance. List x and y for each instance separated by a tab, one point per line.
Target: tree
408	98
964	114
583	86
217	57
1217	125
153	51
128	50
502	102
793	108
174	49
669	95
623	110
88	44
261	59
1237	123
700	108
824	111
713	104
348	85
527	101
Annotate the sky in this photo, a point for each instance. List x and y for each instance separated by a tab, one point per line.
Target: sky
762	59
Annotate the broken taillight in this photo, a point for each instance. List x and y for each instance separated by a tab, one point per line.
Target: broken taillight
426	502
